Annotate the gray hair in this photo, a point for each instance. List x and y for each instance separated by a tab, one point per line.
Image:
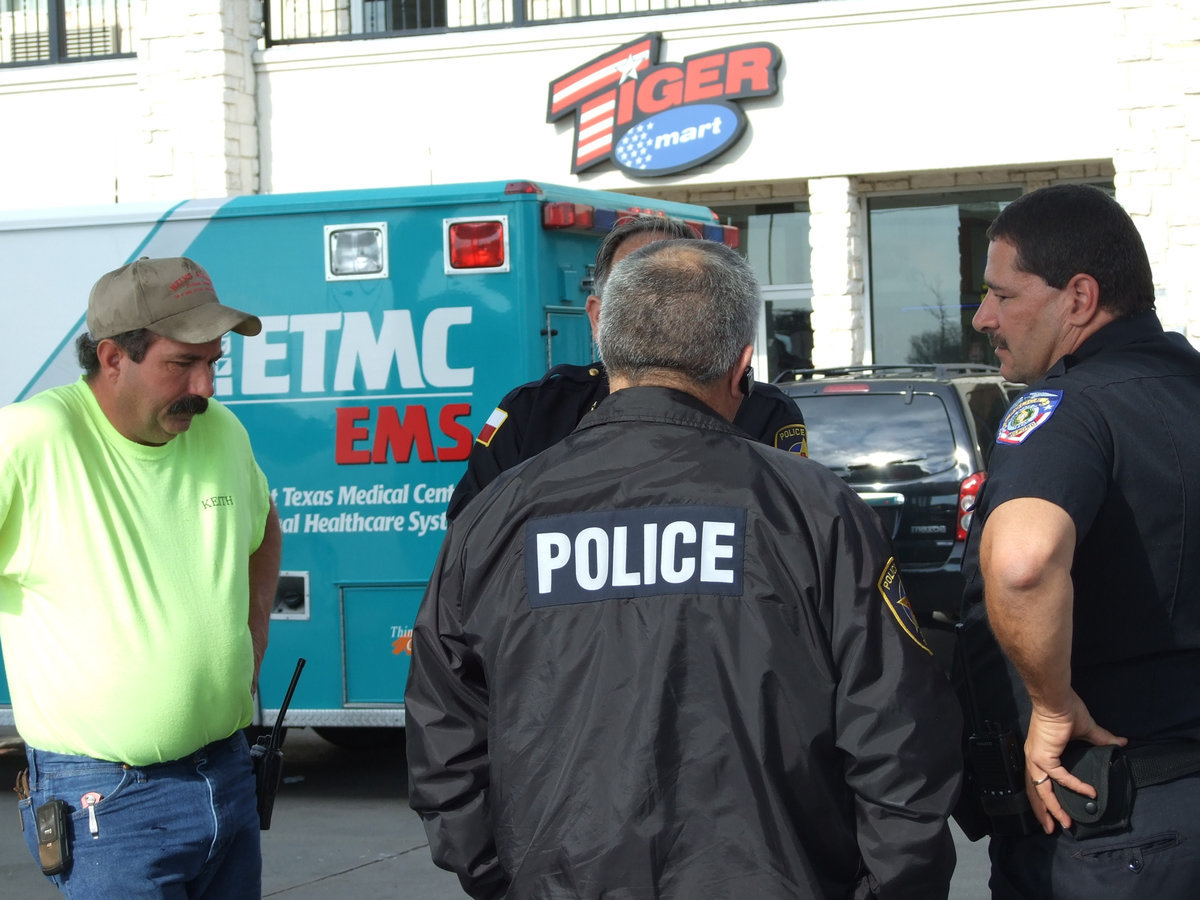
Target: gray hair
687	306
662	228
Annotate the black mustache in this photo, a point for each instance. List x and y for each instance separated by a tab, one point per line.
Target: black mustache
191	406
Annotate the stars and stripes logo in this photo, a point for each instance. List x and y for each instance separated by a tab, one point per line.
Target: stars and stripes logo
590	92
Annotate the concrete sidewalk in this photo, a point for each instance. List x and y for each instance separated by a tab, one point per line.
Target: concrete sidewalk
341	828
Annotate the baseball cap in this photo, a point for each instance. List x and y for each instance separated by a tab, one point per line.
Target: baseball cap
172	297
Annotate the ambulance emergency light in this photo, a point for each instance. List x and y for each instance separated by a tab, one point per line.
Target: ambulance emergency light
475	244
356	251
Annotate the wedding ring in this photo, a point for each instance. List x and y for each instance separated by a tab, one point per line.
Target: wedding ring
1041	780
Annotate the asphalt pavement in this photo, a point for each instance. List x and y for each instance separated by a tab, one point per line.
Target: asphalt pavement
341	829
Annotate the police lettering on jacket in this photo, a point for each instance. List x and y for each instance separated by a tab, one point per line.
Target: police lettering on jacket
605	554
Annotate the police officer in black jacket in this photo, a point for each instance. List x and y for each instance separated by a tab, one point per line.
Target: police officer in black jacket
541	413
1085	554
664	660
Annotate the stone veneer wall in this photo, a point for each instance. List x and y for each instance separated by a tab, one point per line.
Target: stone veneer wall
1157	153
197	84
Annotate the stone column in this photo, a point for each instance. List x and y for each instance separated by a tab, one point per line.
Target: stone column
1157	153
196	75
837	233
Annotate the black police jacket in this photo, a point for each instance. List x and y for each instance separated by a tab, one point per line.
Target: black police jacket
662	660
539	414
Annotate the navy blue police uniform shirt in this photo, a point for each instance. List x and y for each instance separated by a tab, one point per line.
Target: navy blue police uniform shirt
539	414
1110	435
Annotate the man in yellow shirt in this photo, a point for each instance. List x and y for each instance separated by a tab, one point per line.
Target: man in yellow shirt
139	551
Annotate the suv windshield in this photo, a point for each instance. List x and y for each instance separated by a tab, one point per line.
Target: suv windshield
867	438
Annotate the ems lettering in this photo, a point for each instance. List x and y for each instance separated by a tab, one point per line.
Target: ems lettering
635	553
363	435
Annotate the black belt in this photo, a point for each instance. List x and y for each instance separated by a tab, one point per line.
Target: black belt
1162	761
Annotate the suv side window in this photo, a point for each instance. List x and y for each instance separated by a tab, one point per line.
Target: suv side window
988	402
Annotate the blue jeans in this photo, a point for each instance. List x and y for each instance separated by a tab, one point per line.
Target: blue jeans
1158	858
187	828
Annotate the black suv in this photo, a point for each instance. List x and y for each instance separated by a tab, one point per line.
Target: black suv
914	442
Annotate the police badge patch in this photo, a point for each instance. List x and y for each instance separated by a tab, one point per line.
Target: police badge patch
793	439
891	588
1029	413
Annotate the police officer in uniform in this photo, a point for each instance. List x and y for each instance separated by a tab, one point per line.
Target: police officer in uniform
1085	556
541	413
664	660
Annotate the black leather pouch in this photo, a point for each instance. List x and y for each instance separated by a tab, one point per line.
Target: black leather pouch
54	840
1106	769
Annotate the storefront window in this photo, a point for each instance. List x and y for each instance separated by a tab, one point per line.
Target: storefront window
774	239
927	257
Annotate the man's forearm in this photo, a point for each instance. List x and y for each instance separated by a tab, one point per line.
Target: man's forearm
264	577
1025	556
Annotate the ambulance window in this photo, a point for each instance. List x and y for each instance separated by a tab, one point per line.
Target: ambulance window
356	251
291	596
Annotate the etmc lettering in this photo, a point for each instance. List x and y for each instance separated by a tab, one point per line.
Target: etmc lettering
602	555
293	353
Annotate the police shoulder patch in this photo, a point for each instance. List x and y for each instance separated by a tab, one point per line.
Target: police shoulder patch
793	439
1027	415
491	426
891	588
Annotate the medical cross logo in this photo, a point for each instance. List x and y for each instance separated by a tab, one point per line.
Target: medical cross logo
657	119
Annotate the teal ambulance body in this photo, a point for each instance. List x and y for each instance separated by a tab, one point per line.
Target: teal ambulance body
394	319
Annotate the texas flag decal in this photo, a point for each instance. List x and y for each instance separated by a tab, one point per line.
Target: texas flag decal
488	431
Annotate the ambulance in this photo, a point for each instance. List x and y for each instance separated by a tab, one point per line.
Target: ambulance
393	321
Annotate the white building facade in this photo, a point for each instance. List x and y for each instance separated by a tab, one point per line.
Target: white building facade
862	146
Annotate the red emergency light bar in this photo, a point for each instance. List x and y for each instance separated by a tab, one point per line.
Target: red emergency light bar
522	187
582	217
568	215
481	244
